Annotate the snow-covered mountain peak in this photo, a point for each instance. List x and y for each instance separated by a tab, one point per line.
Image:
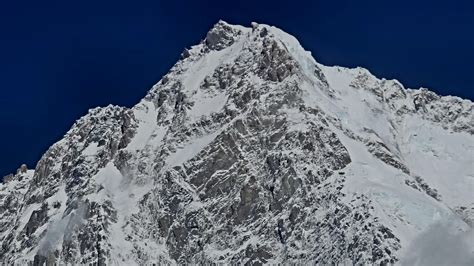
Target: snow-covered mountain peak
249	151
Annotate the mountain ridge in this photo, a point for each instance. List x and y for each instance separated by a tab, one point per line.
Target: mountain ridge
248	136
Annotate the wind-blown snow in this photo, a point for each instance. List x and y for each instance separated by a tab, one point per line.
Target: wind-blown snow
124	195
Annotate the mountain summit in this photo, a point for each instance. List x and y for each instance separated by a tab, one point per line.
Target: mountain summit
250	152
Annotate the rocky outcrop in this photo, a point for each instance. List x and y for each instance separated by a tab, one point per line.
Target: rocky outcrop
221	36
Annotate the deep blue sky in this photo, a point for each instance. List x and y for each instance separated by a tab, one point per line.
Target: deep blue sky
60	58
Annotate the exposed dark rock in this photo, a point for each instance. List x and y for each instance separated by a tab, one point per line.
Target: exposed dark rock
37	218
220	36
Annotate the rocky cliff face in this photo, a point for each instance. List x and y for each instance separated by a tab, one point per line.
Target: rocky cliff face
247	151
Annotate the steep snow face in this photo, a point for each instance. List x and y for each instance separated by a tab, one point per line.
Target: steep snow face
249	151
